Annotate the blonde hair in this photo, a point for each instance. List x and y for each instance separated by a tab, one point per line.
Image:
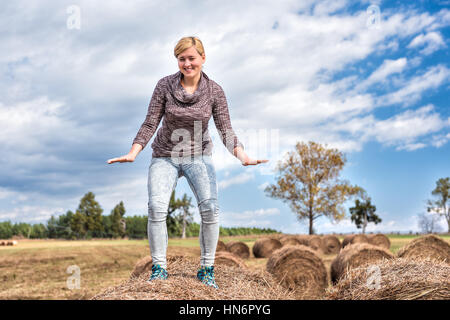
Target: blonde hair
187	42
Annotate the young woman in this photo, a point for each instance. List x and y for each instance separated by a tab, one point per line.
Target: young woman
185	100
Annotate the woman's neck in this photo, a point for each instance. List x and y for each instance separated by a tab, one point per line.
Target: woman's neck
191	82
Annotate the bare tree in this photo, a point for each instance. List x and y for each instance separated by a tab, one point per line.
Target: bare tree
428	223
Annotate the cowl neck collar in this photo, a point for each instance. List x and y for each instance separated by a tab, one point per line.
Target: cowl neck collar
182	95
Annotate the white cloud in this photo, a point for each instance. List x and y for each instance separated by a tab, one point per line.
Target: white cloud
412	89
238	179
432	41
387	68
250	218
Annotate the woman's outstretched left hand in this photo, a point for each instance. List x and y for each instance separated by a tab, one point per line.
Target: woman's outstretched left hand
249	161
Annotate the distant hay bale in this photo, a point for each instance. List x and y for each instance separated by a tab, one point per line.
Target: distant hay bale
314	242
290	241
303	239
221	246
300	269
239	248
380	240
428	247
356	255
354	238
347	240
182	284
263	247
395	279
229	259
330	244
143	265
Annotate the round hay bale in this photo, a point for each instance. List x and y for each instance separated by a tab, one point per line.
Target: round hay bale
380	240
315	242
221	246
239	248
330	244
303	239
426	247
347	240
356	255
290	241
354	238
359	238
142	266
300	269
263	247
395	279
229	259
182	284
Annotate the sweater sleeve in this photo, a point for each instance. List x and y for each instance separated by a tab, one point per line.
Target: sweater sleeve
155	113
222	120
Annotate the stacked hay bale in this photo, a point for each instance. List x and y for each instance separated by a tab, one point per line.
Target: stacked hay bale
426	247
299	269
239	248
395	279
356	255
264	247
380	240
354	238
330	244
234	284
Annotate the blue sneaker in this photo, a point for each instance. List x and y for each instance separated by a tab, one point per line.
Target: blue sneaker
206	276
158	273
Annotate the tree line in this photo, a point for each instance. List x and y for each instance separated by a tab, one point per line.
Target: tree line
88	222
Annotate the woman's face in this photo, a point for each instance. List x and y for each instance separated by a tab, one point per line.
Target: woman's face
190	62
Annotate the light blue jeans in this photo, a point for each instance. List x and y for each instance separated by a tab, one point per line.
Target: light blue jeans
163	175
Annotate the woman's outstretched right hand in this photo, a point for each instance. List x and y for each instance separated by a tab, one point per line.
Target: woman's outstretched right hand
125	158
135	149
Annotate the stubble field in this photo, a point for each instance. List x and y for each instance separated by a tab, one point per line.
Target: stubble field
38	269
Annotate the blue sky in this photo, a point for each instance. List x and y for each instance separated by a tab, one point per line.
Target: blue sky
376	87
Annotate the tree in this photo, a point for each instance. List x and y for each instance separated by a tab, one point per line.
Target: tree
428	223
441	206
117	222
308	180
6	230
186	214
364	212
87	221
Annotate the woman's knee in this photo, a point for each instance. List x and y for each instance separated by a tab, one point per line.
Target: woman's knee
209	210
157	212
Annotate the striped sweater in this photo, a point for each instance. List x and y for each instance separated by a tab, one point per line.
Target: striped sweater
184	131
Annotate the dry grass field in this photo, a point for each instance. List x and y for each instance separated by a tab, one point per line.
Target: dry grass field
37	269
